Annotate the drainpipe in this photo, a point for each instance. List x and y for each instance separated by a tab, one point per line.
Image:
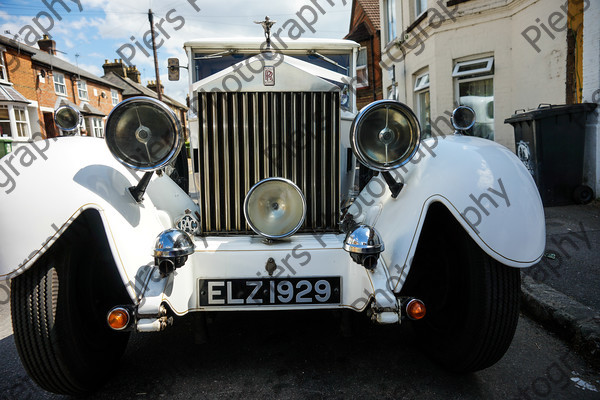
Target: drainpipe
373	68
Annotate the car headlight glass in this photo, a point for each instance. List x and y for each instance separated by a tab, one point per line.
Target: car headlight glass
275	208
143	133
67	118
385	135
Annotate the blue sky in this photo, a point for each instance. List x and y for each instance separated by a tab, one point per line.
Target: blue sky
104	26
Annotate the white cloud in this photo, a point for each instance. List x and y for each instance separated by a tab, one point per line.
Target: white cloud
94	69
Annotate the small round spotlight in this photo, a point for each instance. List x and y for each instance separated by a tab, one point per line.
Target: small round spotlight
67	118
463	118
385	135
275	208
364	245
143	133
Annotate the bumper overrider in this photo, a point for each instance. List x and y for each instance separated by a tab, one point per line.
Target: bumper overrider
276	269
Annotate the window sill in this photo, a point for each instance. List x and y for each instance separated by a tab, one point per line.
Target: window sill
451	3
417	22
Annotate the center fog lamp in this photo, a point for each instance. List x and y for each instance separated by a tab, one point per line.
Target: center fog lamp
143	134
385	135
275	208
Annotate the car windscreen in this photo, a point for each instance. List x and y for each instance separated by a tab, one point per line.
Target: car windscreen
207	64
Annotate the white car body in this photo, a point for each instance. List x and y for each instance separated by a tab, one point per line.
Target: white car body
77	174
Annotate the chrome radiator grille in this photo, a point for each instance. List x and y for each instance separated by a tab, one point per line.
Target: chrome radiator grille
246	137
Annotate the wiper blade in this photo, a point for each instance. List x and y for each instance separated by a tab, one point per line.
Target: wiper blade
216	55
329	60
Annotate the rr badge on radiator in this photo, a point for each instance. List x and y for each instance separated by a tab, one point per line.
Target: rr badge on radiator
269	76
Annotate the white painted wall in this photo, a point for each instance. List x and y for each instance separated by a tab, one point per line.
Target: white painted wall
591	93
523	76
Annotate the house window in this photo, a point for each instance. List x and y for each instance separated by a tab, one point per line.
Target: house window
420	7
422	100
97	128
392	92
14	122
21	122
3	74
5	130
390	15
59	83
114	96
362	71
82	91
481	66
474	87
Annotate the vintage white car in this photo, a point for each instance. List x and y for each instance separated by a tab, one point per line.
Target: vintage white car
99	241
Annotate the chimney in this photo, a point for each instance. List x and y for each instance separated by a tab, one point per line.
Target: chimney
152	86
116	67
48	45
134	74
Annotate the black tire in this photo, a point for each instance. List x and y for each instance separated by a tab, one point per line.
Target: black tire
59	309
583	194
472	300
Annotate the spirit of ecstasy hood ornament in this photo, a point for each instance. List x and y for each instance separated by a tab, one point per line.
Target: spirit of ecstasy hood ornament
267	24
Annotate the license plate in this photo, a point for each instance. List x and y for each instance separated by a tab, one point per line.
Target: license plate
275	291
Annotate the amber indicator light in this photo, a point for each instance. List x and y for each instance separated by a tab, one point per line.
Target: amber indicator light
415	309
118	319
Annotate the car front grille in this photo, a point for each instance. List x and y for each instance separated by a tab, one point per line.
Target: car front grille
249	136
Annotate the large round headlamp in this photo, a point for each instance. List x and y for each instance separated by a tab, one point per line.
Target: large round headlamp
275	208
385	135
143	133
67	118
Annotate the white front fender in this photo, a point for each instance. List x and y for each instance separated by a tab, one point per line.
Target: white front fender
54	181
483	184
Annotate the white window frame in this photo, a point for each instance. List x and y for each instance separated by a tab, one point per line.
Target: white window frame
22	124
457	73
420	4
58	84
17	125
82	91
361	67
390	20
97	127
473	76
3	70
422	82
421	87
392	92
114	95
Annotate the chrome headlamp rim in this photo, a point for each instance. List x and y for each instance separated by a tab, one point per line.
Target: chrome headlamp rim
453	118
176	148
356	124
68	107
253	226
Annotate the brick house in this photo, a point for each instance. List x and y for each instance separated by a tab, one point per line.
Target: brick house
365	29
128	79
37	82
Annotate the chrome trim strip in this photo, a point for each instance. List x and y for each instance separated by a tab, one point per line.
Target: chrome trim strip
215	130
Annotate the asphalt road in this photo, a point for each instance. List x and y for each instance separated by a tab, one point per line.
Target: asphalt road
571	264
303	356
